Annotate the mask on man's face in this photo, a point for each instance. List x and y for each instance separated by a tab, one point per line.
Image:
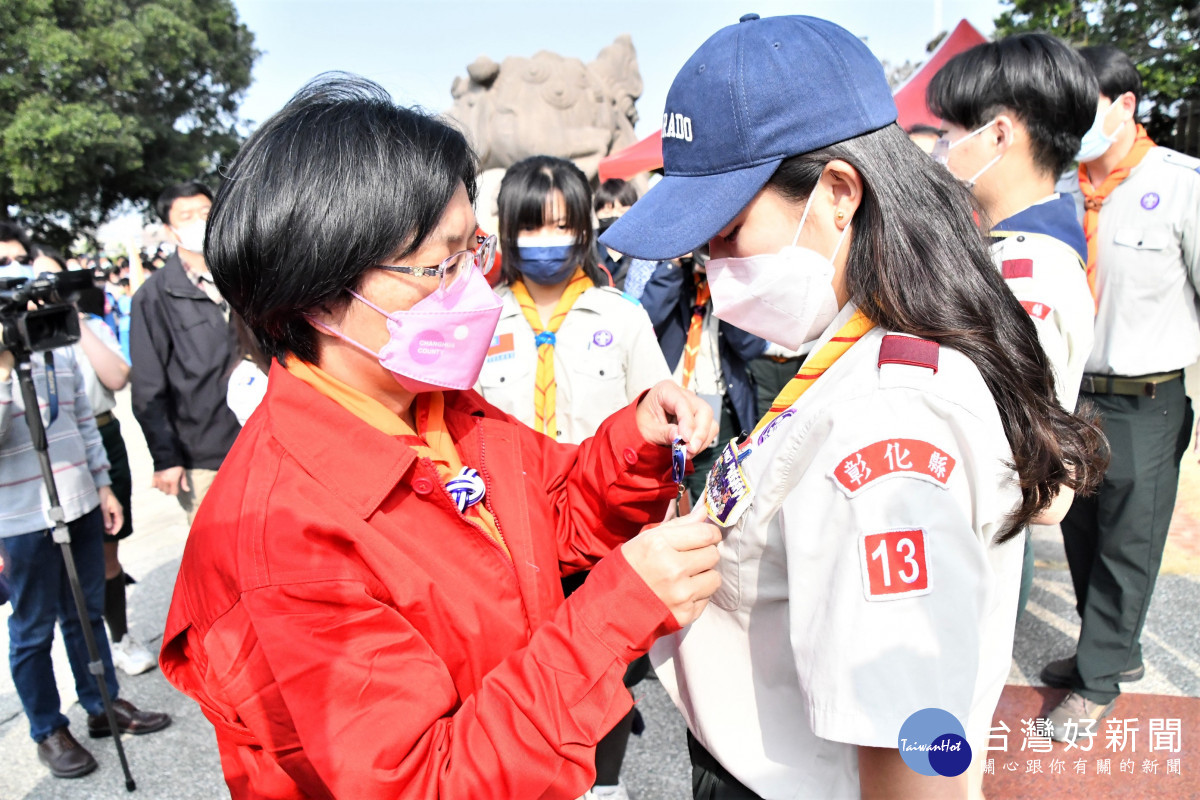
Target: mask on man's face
191	235
1095	143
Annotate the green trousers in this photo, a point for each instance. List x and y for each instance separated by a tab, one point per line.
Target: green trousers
1115	538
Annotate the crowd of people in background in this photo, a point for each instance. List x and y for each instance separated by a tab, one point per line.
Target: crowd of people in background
601	300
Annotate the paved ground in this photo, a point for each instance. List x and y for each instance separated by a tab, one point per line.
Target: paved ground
181	763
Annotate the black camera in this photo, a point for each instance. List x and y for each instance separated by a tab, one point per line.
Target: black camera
53	321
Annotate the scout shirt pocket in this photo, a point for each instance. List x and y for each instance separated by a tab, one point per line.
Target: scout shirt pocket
1141	253
507	377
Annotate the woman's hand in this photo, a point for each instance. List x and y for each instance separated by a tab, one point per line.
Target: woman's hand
668	411
111	511
676	561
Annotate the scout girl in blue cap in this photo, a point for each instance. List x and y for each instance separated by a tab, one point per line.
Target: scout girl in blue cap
869	567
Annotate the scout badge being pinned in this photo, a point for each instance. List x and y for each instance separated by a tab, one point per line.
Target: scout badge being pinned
727	494
678	464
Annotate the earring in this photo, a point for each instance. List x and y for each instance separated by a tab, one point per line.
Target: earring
841	214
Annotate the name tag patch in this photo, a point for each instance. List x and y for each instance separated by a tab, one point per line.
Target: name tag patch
889	458
1035	309
894	564
502	348
727	493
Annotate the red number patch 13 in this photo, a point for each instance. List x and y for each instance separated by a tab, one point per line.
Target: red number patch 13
894	565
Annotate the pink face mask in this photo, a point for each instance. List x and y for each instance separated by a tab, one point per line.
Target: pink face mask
441	342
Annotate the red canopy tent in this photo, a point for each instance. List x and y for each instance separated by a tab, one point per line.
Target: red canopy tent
640	156
910	102
910	95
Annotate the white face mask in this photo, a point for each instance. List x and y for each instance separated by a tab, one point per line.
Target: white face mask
1096	142
191	236
941	154
785	297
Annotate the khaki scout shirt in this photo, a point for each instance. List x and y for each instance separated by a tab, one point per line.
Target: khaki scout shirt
606	354
1147	269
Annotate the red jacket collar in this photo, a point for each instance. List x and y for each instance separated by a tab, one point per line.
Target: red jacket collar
358	462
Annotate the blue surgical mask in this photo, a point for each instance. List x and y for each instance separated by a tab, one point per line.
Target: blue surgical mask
1096	142
546	261
17	271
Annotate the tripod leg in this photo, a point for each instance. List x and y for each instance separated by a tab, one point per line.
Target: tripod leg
95	664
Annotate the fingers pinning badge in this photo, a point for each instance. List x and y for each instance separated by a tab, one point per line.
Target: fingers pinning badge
466	488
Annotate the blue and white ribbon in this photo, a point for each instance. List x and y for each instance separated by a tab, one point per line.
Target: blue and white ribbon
466	488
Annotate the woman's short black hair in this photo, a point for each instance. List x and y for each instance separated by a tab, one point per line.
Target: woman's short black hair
339	180
615	191
1035	77
173	193
524	203
1114	70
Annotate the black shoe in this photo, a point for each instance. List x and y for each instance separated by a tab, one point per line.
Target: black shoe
129	720
65	757
1061	674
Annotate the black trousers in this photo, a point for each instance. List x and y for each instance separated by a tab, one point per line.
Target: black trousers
1115	538
710	780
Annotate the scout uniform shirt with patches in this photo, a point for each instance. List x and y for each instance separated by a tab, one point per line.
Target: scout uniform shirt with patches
1147	269
861	582
1042	253
605	355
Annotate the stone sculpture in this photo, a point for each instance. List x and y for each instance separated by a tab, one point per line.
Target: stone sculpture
549	105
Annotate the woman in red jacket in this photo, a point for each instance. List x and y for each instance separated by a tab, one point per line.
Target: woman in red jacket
369	602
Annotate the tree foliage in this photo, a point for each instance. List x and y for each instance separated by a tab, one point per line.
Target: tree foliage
104	102
1160	37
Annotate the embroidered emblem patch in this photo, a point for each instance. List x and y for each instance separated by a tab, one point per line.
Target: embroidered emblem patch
1036	309
727	493
502	348
1150	201
602	338
911	458
774	424
1016	268
893	564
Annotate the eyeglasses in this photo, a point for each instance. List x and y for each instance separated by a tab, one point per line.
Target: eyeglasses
455	269
24	261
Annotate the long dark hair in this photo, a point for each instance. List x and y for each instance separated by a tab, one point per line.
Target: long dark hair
523	202
918	265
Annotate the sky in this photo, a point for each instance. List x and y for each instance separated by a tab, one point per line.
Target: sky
415	48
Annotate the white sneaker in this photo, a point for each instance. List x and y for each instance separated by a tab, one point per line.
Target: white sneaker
131	657
607	793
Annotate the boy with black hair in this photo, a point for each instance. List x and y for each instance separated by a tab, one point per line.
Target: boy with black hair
1015	111
1141	221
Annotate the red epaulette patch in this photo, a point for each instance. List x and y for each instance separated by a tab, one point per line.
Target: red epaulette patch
912	458
1036	309
907	350
1017	268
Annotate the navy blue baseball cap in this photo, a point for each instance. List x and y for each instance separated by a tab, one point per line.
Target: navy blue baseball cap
754	94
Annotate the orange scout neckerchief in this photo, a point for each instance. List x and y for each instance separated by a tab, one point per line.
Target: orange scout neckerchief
815	365
692	348
431	439
545	389
1093	198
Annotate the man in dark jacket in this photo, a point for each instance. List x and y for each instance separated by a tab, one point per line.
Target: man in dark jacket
687	332
183	350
